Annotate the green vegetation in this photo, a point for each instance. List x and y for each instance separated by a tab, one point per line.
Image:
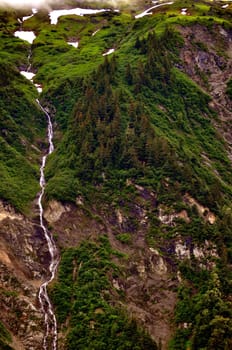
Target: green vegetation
19	179
12	49
86	302
138	117
57	60
21	122
135	116
123	122
229	89
124	238
207	316
5	338
150	120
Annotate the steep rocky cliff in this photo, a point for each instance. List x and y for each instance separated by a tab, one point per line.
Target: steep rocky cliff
23	264
207	59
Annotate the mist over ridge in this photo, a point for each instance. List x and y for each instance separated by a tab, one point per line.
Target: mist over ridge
50	3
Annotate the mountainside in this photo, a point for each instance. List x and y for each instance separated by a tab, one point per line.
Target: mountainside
138	189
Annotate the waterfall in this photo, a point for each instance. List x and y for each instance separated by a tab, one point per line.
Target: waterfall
50	337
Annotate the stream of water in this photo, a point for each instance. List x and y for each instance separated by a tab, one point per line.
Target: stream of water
50	336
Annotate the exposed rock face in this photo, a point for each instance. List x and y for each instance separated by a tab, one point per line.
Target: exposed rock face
7	212
203	211
207	59
150	275
148	283
21	254
54	211
169	218
204	254
150	294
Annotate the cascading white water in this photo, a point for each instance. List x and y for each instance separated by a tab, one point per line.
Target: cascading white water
50	337
29	60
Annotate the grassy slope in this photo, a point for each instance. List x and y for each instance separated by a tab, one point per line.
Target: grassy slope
20	120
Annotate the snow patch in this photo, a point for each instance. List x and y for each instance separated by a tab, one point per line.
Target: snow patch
54	15
39	88
25	35
74	44
28	75
34	11
108	52
147	12
95	32
27	17
184	12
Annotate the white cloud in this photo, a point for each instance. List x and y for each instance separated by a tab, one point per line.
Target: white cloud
114	3
46	3
25	3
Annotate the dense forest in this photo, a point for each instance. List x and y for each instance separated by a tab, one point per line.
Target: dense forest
142	161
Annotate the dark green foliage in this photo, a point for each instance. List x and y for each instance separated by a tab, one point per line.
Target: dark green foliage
65	185
5	346
21	121
4	334
19	179
124	238
229	89
82	297
207	315
18	113
5	338
149	117
64	97
12	50
17	105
